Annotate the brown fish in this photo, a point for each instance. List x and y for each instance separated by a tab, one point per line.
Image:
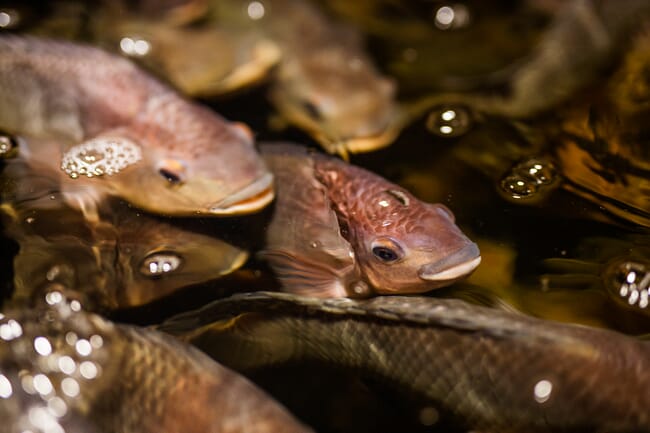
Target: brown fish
485	369
325	82
65	370
117	127
339	230
123	258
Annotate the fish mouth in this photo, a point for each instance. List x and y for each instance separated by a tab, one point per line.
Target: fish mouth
249	199
457	265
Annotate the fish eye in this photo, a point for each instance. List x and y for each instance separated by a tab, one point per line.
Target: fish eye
170	175
173	171
8	145
311	109
387	250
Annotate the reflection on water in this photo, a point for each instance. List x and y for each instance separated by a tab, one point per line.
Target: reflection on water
545	165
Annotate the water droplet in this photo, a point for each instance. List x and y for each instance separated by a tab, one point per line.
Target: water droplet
42	384
628	282
135	46
449	121
160	263
83	347
53	298
42	346
67	364
9	18
70	387
529	178
88	370
5	387
542	391
453	16
518	186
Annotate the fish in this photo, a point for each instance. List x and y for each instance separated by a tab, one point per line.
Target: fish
339	230
197	56
124	258
484	369
63	369
113	126
324	82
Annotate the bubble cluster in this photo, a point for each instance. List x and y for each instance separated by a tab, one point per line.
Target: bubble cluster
160	263
100	156
447	121
45	373
629	283
529	178
134	46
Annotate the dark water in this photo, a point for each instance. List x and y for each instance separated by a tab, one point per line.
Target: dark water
553	245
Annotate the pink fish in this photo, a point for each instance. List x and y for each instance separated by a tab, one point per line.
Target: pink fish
125	134
339	230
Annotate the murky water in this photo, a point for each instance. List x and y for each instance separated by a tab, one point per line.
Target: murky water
558	201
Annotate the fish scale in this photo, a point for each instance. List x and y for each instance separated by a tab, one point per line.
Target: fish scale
488	369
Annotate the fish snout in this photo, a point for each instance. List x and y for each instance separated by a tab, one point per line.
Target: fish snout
251	198
452	267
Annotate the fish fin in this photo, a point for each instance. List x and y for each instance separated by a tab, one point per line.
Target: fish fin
304	277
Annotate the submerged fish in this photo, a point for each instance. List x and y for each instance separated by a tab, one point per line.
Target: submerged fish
324	82
65	370
339	230
487	369
199	57
125	258
116	127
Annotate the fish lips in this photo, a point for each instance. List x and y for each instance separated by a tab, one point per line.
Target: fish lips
251	198
453	267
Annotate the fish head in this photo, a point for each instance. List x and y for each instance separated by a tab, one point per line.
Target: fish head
342	101
408	246
179	161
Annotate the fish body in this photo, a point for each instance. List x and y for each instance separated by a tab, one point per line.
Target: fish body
124	258
65	370
488	369
117	125
339	230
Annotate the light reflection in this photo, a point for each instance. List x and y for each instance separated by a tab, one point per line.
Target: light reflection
88	370
71	338
42	384
96	341
67	364
42	346
5	387
75	305
27	383
83	347
10	330
453	16
70	387
542	391
449	121
134	46
57	407
255	10
53	298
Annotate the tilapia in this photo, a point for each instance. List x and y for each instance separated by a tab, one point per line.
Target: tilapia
324	82
123	258
199	57
65	370
339	230
489	370
128	135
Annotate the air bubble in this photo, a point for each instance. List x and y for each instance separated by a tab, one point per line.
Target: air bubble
529	179
452	16
448	121
628	283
